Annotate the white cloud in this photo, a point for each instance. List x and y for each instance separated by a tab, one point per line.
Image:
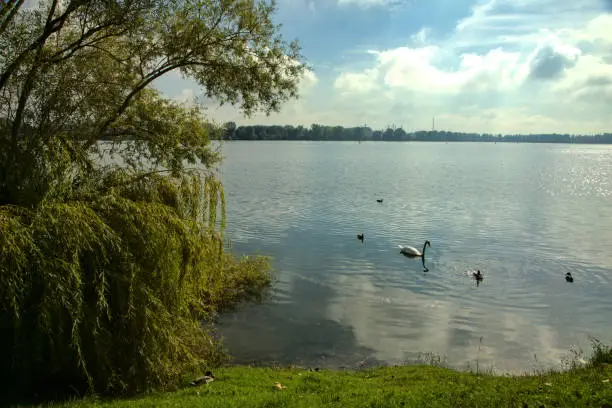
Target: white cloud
185	90
369	3
421	36
415	70
358	82
187	96
308	82
516	68
514	23
363	3
511	66
292	112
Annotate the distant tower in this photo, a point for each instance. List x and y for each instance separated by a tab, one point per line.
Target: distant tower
433	124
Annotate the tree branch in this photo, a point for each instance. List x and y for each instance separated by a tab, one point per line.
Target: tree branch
29	82
5	8
126	103
52	26
78	44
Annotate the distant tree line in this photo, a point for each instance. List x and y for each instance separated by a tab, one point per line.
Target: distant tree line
364	133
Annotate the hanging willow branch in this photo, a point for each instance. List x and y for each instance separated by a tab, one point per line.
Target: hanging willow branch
109	290
108	269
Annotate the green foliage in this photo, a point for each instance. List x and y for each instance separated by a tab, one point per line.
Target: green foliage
111	264
164	134
74	73
602	354
109	290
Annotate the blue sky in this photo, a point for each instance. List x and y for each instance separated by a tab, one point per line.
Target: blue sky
487	66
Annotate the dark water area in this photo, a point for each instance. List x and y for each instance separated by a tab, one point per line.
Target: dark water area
522	214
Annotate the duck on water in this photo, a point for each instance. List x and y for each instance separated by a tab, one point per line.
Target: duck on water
478	277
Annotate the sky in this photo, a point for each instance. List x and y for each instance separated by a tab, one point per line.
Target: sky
499	66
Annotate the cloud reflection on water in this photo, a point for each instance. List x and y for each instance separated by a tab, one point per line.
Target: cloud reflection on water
482	206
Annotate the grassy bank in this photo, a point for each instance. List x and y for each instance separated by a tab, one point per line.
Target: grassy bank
407	386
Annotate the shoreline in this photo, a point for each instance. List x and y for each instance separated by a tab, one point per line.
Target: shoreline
405	386
582	384
419	141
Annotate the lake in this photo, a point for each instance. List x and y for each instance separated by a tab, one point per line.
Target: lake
523	214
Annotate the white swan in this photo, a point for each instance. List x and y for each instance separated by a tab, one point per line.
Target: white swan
412	252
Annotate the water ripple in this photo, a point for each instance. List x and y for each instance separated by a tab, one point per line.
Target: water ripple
523	215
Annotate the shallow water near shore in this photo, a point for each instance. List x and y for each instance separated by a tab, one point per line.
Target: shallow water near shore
522	214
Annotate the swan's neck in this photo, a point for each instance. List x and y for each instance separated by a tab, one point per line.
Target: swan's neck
423	252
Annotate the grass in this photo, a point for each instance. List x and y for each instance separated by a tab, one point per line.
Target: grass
403	386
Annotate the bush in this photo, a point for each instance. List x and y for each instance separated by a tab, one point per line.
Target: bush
106	290
108	274
602	354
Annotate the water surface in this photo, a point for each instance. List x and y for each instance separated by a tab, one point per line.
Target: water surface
523	214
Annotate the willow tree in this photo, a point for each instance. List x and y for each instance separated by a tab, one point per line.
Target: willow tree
109	267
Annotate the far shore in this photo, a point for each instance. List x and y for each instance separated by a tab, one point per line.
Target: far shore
419	141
